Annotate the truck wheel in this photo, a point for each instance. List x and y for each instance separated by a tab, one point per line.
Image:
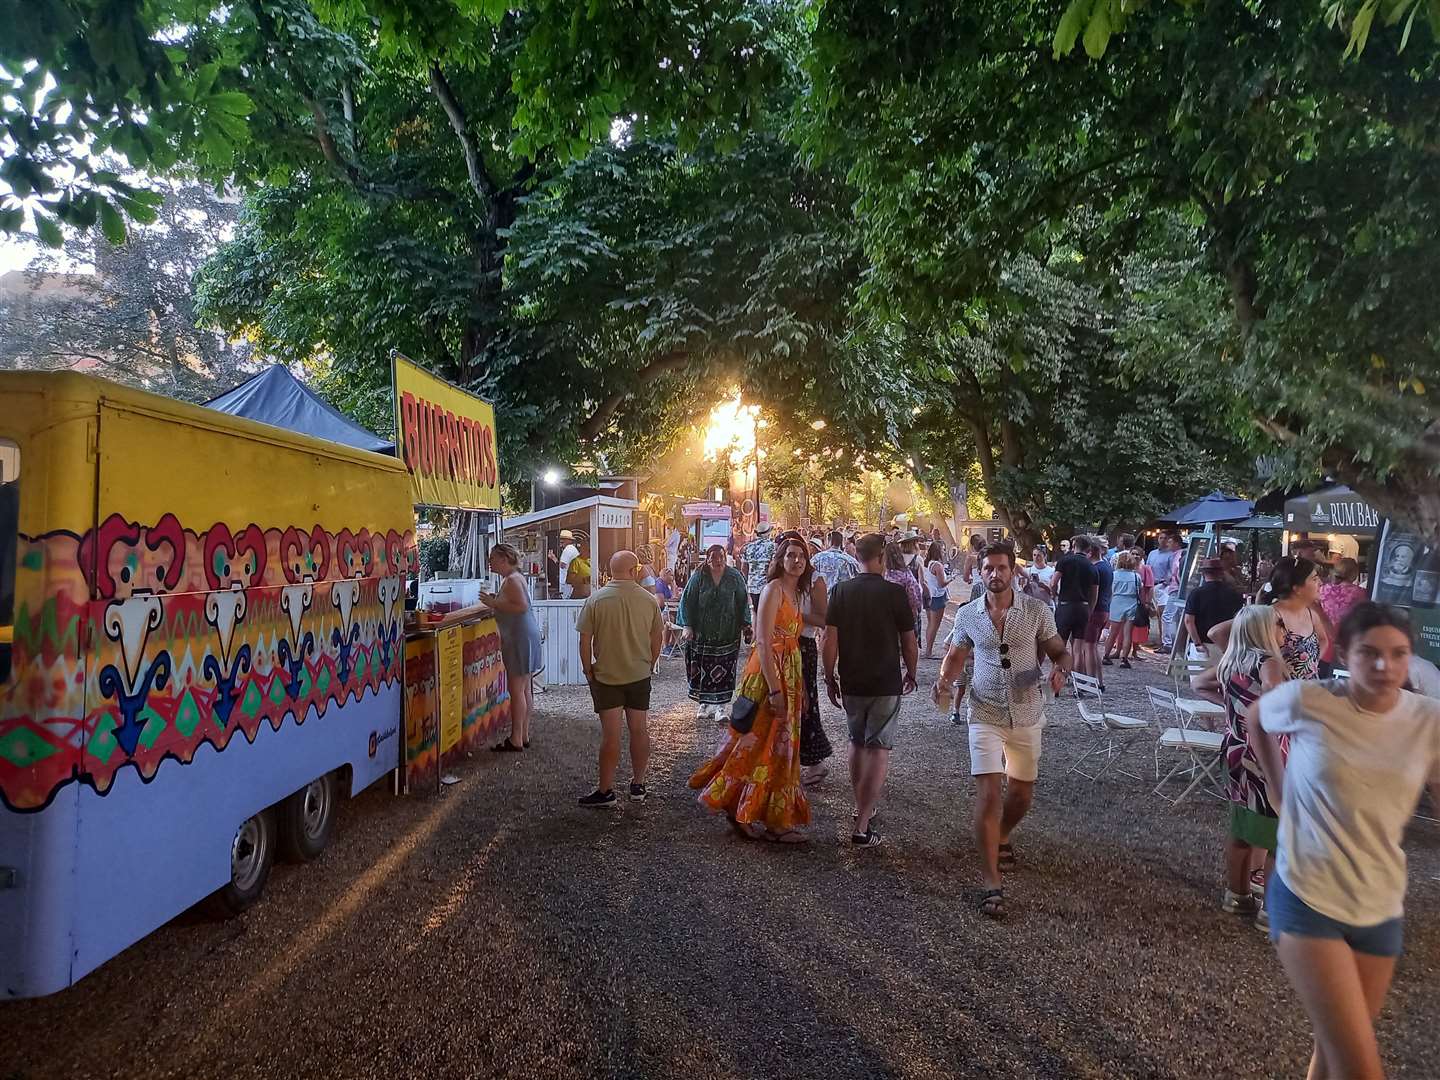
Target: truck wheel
252	853
307	818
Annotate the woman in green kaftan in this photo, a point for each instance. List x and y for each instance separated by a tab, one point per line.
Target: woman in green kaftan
714	610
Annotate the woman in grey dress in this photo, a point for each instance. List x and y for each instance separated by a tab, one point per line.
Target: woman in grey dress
519	642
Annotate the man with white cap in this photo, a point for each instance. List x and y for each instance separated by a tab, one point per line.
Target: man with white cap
567	556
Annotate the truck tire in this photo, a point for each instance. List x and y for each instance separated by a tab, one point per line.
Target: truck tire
252	853
307	818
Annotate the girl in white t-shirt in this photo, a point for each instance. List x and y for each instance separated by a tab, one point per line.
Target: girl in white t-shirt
1361	750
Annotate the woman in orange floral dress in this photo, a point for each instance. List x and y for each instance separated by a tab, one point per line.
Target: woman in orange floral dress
754	777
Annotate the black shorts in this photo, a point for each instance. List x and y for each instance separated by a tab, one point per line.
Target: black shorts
1072	617
635	695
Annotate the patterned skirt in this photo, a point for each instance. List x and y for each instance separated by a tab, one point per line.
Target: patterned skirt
814	744
753	778
711	671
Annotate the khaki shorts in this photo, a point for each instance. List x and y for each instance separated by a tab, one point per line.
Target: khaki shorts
872	720
1013	751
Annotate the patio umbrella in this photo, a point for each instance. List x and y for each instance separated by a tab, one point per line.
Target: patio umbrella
1217	506
1261	521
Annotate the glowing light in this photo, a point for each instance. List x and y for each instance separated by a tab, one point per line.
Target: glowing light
551	477
818	425
730	434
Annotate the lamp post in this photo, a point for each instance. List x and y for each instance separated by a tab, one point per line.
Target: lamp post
755	451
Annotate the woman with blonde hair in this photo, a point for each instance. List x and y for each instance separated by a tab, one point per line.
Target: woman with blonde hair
520	647
1251	664
1125	597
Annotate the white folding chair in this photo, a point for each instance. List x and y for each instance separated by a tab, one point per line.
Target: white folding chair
1182	670
1114	734
1165	714
1201	752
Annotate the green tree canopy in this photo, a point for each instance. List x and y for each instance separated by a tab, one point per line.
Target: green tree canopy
1311	182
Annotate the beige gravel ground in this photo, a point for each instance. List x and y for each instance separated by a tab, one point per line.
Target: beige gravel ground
498	930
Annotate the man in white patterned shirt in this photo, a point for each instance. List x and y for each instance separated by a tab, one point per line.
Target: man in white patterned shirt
833	564
757	555
1008	633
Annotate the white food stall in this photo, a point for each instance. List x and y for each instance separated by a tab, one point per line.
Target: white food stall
609	522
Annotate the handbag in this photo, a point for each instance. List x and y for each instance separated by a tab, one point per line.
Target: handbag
747	702
742	714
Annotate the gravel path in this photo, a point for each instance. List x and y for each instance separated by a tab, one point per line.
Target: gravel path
498	930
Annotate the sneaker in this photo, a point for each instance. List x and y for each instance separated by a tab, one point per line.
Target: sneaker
703	712
1238	904
637	792
1262	920
874	821
598	798
1257	883
869	838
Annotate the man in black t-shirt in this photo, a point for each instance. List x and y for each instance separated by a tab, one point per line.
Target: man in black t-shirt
1214	602
1077	591
869	627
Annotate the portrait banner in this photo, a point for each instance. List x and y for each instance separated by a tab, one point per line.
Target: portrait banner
446	438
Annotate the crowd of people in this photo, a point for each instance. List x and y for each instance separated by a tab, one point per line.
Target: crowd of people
1322	773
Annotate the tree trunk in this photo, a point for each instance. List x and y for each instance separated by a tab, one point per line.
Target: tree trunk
1017	521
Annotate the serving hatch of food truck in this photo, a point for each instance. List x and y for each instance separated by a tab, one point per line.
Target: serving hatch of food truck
202	648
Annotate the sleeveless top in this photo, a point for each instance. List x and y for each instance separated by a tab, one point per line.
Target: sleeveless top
937	581
1301	652
807	607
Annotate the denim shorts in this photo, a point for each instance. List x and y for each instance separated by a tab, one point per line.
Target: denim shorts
1291	915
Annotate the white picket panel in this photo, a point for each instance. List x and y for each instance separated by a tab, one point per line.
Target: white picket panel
561	641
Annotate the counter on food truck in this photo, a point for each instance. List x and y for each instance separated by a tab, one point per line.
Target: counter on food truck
456	699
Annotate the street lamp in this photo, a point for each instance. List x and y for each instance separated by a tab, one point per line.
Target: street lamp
551	477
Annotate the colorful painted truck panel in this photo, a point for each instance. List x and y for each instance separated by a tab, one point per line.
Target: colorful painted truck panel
481	708
207	616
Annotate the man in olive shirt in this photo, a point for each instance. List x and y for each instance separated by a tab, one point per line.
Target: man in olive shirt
621	633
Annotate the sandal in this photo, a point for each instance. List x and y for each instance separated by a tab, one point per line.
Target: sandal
992	904
1007	857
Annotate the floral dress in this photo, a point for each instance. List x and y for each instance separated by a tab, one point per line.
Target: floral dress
754	777
1252	817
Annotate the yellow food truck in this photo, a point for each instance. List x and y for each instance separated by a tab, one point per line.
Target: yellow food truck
201	648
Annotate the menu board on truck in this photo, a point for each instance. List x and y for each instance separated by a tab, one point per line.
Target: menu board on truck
446	438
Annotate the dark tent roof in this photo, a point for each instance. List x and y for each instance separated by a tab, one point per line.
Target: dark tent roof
277	397
1217	506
